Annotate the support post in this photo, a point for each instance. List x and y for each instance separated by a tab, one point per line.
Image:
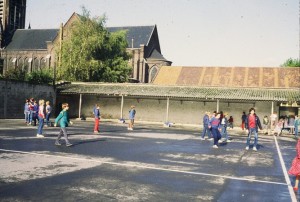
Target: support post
272	109
168	104
122	106
218	105
80	102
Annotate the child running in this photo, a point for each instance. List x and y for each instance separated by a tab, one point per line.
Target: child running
215	126
63	119
295	168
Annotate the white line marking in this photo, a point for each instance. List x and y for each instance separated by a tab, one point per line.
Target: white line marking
147	167
287	179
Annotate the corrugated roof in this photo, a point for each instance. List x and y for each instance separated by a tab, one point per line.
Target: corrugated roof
139	34
188	92
253	77
31	39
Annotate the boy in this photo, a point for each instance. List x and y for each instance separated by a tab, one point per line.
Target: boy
96	112
252	123
63	120
131	117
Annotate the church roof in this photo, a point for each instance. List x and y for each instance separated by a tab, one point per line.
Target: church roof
180	92
230	77
155	55
139	34
31	39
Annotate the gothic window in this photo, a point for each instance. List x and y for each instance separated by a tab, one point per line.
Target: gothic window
43	63
35	64
152	73
20	63
26	65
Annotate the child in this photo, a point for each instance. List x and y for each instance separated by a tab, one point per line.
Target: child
252	123
48	113
224	123
63	120
295	168
205	126
131	117
297	123
27	111
215	126
265	124
35	112
41	116
230	122
278	127
96	112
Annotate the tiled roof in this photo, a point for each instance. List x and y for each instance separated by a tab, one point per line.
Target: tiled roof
183	92
139	34
249	77
31	39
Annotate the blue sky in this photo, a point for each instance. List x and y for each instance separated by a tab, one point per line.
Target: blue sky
260	33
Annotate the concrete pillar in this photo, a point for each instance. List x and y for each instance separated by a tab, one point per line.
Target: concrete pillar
218	105
272	109
80	102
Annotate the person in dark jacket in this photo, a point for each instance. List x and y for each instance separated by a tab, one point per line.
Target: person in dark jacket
252	123
205	126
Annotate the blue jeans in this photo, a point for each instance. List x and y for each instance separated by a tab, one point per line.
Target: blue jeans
41	125
206	129
216	134
252	130
27	116
224	132
47	119
296	131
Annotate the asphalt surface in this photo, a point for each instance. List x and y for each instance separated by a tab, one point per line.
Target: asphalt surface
150	163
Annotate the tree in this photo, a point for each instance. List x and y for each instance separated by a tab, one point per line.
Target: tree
291	63
91	53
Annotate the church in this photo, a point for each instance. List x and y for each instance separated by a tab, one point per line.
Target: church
34	49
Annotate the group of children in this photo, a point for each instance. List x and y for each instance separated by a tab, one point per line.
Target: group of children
31	111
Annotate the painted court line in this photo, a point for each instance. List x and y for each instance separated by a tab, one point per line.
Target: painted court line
147	167
287	179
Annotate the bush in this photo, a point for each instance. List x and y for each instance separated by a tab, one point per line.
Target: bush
15	74
40	77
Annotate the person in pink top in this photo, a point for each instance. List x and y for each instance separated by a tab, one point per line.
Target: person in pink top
41	116
295	168
252	123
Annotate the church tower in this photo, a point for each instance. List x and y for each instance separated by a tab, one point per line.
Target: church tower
12	17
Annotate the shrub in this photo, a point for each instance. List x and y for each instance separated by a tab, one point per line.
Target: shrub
40	77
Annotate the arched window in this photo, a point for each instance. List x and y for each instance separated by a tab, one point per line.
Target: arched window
26	65
153	73
20	63
35	64
43	63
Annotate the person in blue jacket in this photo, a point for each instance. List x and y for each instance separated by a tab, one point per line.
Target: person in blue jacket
215	126
64	121
96	112
131	117
205	126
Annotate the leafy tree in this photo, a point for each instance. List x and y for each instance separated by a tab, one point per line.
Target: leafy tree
291	63
91	53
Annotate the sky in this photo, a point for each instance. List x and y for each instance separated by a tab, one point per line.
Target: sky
248	33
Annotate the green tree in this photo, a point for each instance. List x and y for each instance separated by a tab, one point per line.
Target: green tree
291	63
15	74
91	53
40	77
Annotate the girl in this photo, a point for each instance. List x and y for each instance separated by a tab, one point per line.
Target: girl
48	113
215	126
295	168
63	119
131	117
41	116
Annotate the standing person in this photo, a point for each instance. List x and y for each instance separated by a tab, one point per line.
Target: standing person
27	111
41	116
48	113
265	124
35	112
205	126
215	126
297	123
224	124
31	104
291	124
295	168
96	112
230	122
131	117
244	116
252	124
64	121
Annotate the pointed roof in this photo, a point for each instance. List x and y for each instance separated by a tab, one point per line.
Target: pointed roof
139	34
31	39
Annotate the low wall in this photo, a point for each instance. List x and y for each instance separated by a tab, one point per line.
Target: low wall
14	93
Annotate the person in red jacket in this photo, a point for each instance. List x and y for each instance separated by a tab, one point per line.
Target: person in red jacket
295	168
252	123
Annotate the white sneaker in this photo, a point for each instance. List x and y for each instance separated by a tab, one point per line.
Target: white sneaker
254	149
201	138
38	135
215	146
228	140
211	139
247	148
